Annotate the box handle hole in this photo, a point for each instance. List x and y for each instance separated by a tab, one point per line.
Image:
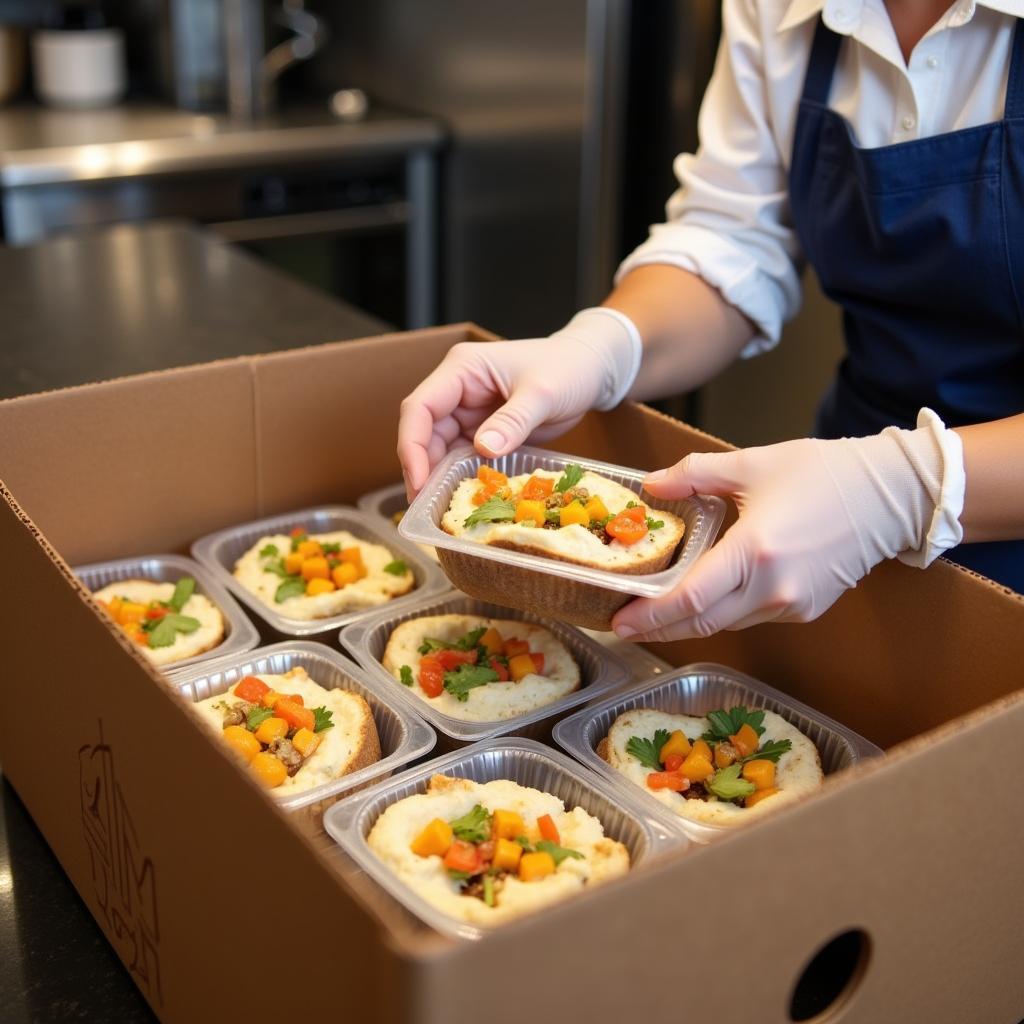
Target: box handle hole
831	976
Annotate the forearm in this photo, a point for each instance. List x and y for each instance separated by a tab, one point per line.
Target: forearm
994	470
690	333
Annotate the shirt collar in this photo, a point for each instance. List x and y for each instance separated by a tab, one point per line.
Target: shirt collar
843	16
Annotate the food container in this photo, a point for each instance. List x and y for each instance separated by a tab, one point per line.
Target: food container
601	671
522	761
546	586
239	633
403	736
385	503
695	690
220	551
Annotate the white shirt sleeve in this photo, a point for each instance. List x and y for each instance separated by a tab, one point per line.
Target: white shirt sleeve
729	221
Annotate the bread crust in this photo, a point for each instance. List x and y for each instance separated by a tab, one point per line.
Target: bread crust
367	750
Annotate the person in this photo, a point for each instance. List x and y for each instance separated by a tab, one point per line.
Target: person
882	141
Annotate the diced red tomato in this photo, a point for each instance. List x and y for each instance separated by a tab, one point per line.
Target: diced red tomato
501	668
251	689
538	662
297	531
514	647
672	762
629	526
486	851
548	829
463	856
156	613
295	715
431	676
452	659
537	487
674	781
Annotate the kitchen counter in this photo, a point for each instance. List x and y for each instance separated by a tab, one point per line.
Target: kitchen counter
81	308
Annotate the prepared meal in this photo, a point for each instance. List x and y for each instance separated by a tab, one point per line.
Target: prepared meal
488	852
574	516
314	576
292	733
480	669
169	621
724	769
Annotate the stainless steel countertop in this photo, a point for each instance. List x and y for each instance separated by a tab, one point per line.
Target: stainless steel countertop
39	146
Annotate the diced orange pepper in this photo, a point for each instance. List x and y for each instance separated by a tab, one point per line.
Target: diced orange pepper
538	487
507	824
573	514
271	729
746	741
514	647
507	855
520	666
114	607
344	574
530	511
140	637
596	508
725	755
131	612
492	641
486	475
677	743
316	587
535	866
758	795
305	741
270	770
294	714
696	767
701	748
351	555
252	689
310	548
316	568
434	840
761	772
548	829
242	742
293	563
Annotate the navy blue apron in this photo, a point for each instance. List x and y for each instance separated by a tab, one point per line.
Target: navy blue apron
922	245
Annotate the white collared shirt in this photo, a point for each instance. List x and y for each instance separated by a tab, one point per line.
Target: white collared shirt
730	220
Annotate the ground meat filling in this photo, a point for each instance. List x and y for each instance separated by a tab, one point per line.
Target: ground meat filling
555	501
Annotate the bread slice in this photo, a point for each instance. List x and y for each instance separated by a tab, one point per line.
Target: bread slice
574	544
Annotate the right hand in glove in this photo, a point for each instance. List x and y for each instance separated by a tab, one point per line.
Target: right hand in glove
501	394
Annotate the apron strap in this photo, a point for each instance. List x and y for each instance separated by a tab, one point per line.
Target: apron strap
1015	83
822	63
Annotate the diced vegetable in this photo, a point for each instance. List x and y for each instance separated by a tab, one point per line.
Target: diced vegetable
492	641
672	762
486	475
507	825
462	856
760	772
538	487
746	740
538	663
156	612
596	508
725	754
514	647
530	511
507	855
431	676
293	563
758	795
701	748
305	741
316	568
573	514
501	668
697	767
434	840
353	556
131	611
535	866
140	637
270	698
315	587
252	689
677	744
271	729
629	526
548	829
449	659
344	574
520	666
310	548
242	742
673	780
297	531
269	770
295	714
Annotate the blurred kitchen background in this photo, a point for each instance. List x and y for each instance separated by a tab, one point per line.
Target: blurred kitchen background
425	161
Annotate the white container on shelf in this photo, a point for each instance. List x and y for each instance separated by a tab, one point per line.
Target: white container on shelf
79	68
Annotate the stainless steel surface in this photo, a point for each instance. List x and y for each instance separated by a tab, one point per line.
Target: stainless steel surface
521	761
219	552
600	670
327	222
702	515
695	690
239	633
403	736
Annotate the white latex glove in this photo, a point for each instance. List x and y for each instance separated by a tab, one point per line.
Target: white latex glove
501	394
814	518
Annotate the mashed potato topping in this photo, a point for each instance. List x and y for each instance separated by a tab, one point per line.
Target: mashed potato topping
321	588
796	772
496	700
505	808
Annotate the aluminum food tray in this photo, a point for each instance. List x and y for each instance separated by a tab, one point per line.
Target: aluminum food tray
695	690
404	737
579	594
240	634
522	761
601	670
220	551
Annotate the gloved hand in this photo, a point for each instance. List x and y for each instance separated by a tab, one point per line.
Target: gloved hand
814	517
501	394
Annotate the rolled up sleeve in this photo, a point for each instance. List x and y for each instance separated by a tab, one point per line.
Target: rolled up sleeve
729	221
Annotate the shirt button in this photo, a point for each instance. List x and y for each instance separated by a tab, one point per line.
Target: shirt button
908	122
933	62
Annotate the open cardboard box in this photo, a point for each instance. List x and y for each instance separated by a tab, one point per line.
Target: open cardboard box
176	851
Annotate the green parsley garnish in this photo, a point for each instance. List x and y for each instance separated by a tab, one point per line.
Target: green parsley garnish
296	541
293	586
524	843
770	751
276	566
183	590
330	548
269	551
474	826
571	476
648	752
458	876
558	853
655	524
494	510
164	631
322	719
396	568
461	680
727	723
726	784
464	643
405	675
257	717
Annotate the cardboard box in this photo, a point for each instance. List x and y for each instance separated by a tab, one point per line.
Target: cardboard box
175	850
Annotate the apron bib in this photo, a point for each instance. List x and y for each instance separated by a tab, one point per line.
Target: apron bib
921	243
